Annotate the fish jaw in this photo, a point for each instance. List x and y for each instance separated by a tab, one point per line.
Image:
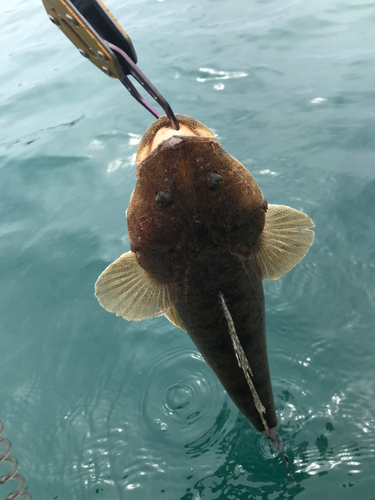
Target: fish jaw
160	130
165	133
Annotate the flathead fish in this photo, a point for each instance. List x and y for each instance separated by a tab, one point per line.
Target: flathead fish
202	239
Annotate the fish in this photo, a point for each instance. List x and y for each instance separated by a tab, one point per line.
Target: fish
202	240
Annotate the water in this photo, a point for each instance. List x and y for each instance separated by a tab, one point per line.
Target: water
97	407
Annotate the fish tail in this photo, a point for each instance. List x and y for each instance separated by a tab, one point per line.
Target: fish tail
243	363
277	443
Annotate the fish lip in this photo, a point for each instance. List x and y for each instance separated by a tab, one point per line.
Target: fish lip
176	140
180	143
172	141
194	128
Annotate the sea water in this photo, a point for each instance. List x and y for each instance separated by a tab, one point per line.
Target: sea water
100	408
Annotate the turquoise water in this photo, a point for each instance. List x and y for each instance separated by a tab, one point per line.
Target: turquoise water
97	407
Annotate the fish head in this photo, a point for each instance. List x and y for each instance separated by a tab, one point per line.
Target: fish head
190	196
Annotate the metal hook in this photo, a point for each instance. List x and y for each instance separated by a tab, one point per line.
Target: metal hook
147	85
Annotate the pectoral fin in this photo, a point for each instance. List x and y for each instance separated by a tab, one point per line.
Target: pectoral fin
174	318
129	291
285	240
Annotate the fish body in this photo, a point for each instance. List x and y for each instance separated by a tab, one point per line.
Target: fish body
201	314
200	229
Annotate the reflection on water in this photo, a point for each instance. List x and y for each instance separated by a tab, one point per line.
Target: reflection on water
98	408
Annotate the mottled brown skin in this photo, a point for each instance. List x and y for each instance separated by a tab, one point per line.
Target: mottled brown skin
194	221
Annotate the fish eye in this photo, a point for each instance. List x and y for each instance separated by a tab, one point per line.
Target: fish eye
163	200
214	181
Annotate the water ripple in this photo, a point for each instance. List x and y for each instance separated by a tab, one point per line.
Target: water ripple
185	404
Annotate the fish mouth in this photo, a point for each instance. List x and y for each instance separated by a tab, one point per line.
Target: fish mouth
161	130
171	135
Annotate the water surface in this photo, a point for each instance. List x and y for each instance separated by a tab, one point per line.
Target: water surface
100	408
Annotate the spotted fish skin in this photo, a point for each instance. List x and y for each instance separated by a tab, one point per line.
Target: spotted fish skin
201	243
201	232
